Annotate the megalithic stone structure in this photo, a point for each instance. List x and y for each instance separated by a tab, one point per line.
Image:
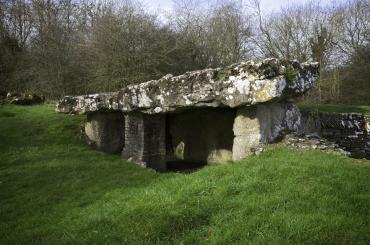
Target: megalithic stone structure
210	115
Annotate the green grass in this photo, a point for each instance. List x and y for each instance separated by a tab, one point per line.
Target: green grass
56	190
337	108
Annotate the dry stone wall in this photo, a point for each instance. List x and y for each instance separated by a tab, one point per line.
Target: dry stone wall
145	140
351	131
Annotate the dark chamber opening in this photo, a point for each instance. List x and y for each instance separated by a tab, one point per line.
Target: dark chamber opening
196	137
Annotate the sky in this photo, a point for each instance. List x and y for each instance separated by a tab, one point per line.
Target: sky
266	5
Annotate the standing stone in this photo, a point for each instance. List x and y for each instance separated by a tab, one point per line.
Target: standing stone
145	140
262	124
246	131
104	131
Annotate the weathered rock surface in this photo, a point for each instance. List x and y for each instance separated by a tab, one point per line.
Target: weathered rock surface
303	142
205	116
265	123
350	131
242	84
88	103
105	131
145	140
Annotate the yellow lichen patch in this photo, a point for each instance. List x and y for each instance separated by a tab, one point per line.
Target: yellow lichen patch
264	94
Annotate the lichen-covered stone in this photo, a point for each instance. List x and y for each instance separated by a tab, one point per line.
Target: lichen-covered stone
88	103
276	119
105	131
262	124
351	131
241	84
303	142
190	118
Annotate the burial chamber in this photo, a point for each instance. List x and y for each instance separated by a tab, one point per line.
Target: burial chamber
205	116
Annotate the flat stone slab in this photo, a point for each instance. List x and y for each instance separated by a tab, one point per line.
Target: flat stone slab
88	103
242	84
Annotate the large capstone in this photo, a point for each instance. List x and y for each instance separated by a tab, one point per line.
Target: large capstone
243	84
88	103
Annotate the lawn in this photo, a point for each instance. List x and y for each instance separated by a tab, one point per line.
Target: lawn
55	190
337	108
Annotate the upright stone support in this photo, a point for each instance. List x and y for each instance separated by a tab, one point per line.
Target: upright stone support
246	131
104	131
145	140
262	124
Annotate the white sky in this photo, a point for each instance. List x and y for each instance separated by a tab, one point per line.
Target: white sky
266	5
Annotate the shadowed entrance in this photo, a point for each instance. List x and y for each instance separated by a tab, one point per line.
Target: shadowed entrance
197	137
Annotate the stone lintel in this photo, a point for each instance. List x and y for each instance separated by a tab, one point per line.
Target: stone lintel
238	85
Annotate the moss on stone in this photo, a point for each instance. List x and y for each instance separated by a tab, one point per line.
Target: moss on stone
290	74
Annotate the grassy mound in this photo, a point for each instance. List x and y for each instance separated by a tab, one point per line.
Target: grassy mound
54	189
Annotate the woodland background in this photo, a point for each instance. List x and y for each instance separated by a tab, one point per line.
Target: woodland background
60	47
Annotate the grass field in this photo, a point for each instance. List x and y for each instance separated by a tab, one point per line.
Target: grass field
56	190
337	108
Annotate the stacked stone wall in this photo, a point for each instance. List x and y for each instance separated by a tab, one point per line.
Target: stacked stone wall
351	131
145	140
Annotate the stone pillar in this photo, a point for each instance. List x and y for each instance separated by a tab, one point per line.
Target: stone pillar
246	131
262	124
145	140
104	131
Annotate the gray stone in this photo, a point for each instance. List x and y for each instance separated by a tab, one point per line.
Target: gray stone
145	140
276	119
311	141
242	84
205	116
350	131
88	103
247	133
105	131
266	123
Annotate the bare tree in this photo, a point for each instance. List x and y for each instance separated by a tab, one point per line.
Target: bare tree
352	25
